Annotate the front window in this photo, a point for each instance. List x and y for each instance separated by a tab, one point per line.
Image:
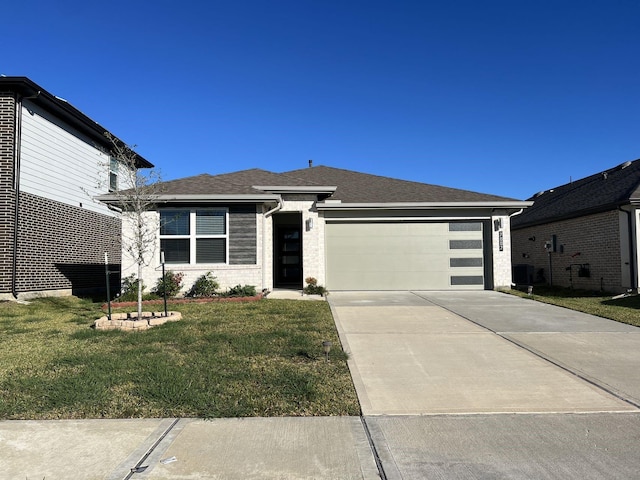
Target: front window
194	236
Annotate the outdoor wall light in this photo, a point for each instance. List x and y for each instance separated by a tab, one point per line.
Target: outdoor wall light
326	348
309	223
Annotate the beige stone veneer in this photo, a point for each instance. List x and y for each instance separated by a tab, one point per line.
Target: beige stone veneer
131	322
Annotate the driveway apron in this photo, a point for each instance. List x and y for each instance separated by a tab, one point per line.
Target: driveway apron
412	356
602	351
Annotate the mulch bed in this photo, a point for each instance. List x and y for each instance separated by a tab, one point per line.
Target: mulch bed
179	301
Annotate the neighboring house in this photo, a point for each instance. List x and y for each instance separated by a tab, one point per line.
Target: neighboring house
349	230
583	234
53	236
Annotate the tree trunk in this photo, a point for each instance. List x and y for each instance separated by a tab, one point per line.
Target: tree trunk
139	291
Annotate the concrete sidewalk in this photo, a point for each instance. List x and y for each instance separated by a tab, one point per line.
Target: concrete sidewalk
169	449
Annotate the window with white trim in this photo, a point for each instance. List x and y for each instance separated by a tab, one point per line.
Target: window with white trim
113	174
195	236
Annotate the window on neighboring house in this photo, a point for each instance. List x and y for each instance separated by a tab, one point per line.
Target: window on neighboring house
113	174
194	236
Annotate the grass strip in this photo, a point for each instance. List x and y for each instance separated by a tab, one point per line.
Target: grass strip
625	309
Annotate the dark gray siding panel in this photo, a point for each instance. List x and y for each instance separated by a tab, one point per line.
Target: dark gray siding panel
243	242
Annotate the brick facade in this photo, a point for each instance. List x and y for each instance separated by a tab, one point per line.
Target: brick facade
61	247
591	239
501	252
7	191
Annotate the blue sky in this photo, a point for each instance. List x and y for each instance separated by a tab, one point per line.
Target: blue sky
503	97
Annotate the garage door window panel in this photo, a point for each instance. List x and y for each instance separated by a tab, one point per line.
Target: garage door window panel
465	262
465	227
460	280
465	244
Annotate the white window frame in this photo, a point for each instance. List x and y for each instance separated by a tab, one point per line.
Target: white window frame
193	236
113	161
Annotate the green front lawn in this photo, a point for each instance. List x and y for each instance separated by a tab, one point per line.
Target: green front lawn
222	360
625	310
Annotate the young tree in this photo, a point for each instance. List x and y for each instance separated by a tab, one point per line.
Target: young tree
134	191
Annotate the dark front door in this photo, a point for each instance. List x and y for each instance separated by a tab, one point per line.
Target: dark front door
288	256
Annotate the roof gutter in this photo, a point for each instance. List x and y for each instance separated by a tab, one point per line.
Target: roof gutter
333	205
116	199
575	214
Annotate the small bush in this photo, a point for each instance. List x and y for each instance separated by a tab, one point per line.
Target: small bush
205	286
171	282
313	288
129	289
242	291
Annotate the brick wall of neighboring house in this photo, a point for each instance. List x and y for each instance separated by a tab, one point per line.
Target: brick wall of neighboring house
592	239
7	192
61	247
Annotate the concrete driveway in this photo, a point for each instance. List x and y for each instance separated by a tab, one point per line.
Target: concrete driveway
412	355
484	385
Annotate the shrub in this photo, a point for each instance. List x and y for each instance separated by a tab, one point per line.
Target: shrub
313	288
205	286
242	291
171	283
129	289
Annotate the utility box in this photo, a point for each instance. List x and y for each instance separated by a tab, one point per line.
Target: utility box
523	274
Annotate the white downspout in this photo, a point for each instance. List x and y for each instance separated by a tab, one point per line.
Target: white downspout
265	215
516	213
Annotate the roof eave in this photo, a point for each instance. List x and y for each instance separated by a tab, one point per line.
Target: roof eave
510	205
115	199
579	213
64	110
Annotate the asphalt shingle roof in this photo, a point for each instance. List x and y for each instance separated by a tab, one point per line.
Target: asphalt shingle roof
599	192
356	187
236	183
352	187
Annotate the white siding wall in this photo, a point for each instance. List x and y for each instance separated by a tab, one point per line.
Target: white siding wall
60	164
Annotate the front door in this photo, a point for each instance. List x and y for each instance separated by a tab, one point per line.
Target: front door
288	256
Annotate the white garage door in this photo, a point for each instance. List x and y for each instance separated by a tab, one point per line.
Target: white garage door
405	256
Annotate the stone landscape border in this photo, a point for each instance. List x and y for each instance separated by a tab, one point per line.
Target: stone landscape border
131	322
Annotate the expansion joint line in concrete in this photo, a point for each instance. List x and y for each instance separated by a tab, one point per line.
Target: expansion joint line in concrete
374	450
572	372
546	359
139	468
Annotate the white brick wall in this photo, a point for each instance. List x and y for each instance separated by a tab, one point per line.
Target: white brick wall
501	258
